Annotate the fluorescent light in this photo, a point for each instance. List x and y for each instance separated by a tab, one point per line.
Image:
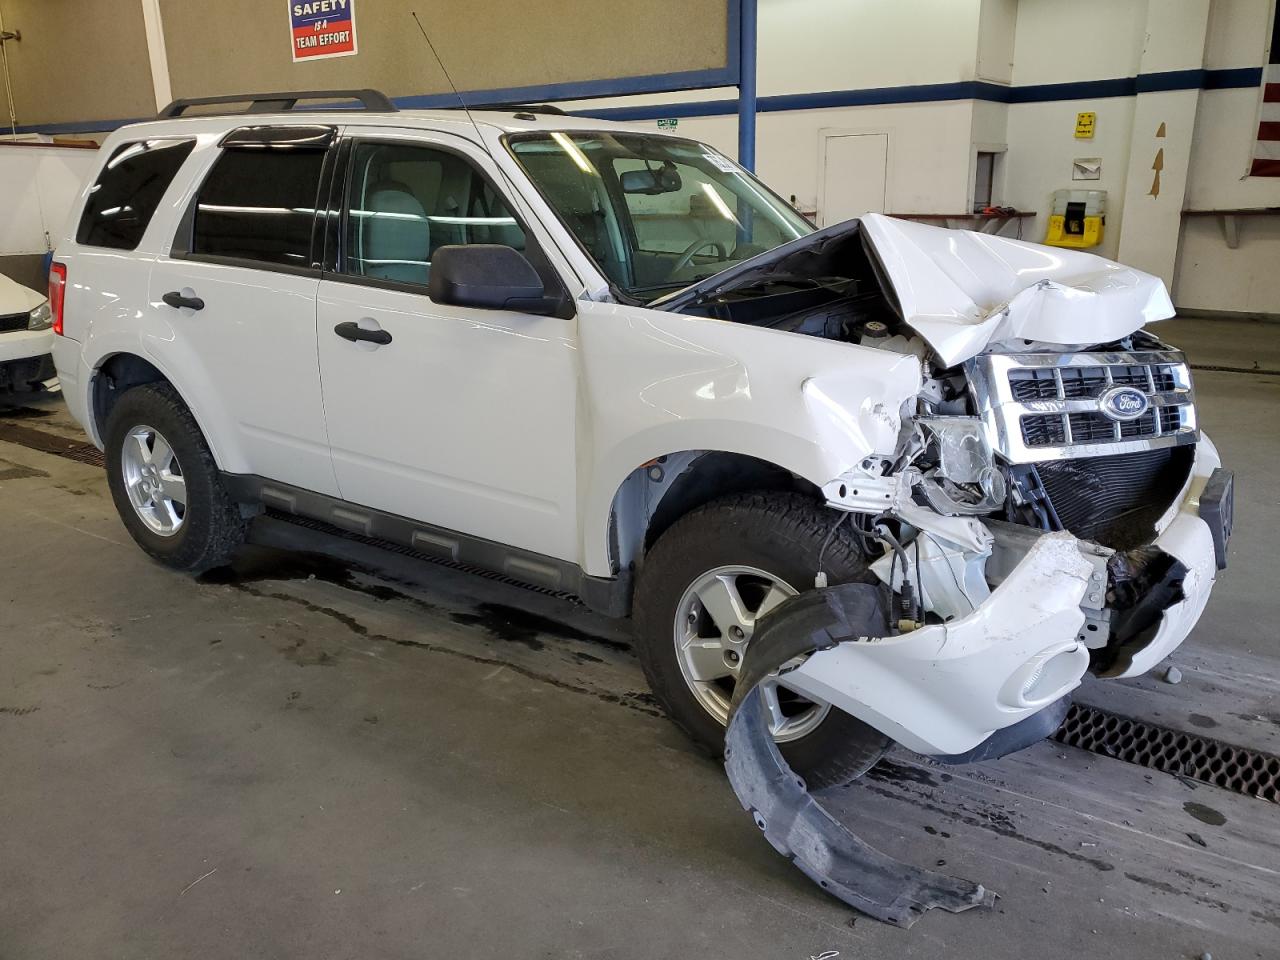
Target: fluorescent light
719	203
571	148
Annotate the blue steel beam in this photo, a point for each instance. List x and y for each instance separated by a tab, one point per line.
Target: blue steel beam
747	85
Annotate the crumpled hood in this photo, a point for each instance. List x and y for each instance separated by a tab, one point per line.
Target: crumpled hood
962	290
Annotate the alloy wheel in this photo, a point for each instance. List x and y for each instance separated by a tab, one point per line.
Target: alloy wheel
714	623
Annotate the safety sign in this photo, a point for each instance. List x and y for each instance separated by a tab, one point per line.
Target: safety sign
322	28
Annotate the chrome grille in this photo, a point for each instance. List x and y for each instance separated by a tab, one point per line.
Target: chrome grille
1083	383
1048	406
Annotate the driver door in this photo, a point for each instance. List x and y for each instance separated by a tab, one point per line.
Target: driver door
459	417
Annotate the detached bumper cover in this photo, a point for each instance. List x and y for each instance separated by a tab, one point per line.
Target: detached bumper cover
793	822
945	688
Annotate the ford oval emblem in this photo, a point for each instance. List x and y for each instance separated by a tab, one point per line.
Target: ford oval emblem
1124	403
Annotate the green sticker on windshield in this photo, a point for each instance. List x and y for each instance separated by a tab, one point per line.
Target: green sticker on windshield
669	123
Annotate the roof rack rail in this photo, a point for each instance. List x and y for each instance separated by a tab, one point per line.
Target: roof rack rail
373	101
547	108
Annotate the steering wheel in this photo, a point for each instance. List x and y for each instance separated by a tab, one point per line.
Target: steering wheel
686	258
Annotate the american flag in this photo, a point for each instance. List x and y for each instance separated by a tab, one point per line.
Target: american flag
1266	149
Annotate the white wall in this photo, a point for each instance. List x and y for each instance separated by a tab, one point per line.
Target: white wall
812	46
997	29
1210	275
928	150
1042	145
40	183
1042	142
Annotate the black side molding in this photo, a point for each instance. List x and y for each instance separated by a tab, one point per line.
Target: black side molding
610	596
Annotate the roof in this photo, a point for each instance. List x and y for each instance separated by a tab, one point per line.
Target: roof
451	121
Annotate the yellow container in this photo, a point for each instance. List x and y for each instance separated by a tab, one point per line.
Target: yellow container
1077	218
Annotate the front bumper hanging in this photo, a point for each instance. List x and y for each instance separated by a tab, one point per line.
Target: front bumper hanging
977	686
792	820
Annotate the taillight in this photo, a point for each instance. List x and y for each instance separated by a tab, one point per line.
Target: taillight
57	293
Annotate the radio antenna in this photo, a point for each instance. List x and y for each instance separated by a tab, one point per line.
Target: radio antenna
452	86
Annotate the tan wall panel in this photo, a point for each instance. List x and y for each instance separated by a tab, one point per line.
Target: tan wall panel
244	45
78	60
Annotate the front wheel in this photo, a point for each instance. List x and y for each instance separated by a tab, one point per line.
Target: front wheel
165	483
702	588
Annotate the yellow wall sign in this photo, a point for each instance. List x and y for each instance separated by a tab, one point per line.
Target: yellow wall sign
1084	125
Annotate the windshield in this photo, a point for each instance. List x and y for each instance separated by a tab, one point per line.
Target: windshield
655	213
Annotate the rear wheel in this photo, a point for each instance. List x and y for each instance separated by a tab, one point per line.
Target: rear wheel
703	587
165	483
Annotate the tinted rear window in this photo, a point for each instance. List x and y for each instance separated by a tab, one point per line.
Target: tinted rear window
128	191
259	205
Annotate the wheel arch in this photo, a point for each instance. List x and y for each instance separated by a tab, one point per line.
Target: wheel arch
653	496
122	370
112	378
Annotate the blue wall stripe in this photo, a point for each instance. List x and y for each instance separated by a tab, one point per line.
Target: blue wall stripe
1235	77
577	90
1232	78
940	92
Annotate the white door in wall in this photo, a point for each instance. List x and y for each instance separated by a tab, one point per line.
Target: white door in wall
855	169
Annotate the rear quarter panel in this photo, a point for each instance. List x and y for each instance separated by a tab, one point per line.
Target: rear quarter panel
108	311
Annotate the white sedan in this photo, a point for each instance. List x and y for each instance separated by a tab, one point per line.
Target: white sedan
26	336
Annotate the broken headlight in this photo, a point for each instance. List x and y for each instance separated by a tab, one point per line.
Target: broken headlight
963	479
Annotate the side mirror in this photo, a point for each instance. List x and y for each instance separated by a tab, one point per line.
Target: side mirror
490	276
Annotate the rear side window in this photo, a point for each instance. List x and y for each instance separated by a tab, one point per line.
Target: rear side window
259	205
128	191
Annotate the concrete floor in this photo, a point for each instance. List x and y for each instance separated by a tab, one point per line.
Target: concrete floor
359	754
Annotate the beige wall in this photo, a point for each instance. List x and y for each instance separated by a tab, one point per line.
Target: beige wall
78	60
245	44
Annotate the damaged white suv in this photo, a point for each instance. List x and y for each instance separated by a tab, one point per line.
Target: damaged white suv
613	363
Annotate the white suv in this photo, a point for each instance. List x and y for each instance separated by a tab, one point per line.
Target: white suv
613	363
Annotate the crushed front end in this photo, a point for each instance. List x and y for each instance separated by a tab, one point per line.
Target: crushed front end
1046	513
1048	507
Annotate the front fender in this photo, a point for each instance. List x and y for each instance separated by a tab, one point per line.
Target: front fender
659	383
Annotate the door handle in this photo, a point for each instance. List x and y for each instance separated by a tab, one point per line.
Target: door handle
353	331
175	299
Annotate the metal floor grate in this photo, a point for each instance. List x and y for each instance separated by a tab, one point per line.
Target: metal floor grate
1250	772
52	443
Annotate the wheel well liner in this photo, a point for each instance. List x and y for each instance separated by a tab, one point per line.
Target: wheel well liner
715	474
116	375
658	493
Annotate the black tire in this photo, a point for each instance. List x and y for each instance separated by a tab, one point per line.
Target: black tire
782	533
213	526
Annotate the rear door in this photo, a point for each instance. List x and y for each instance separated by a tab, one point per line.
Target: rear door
239	293
463	418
